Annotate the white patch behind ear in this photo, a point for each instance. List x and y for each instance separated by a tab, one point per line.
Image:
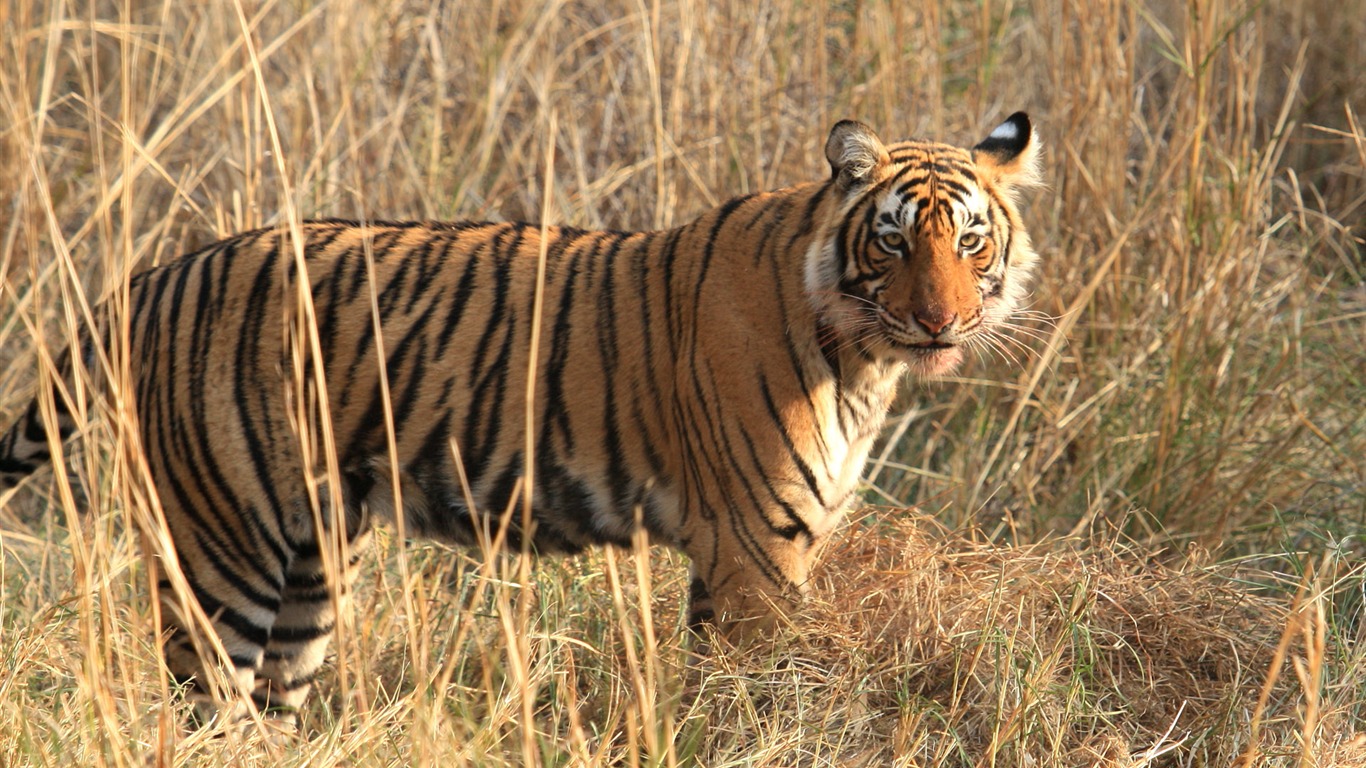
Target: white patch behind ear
1005	132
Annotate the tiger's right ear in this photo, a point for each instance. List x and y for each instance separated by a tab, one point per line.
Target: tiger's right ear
854	152
1009	156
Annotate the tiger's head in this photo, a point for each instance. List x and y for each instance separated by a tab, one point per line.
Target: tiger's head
927	255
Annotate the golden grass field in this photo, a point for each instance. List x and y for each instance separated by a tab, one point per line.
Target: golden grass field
1136	540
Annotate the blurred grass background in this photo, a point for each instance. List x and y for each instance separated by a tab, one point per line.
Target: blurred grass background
1199	399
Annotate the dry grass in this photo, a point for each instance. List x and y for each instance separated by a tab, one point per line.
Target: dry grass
944	651
1152	521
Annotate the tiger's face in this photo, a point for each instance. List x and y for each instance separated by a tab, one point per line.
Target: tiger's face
928	257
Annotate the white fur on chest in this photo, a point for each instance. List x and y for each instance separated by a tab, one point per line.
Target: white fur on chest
849	420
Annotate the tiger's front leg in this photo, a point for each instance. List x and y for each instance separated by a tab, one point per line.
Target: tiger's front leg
741	584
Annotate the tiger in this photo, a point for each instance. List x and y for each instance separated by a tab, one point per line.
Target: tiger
719	384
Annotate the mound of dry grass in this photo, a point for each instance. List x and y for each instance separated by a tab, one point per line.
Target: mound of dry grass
945	651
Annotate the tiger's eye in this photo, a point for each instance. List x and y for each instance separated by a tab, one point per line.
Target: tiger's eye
970	242
892	242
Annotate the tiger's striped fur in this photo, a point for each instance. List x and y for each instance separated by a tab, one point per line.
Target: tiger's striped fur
724	381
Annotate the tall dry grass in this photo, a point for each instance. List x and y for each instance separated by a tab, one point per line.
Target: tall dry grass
1151	551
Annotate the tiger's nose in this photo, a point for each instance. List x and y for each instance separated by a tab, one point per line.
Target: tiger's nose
934	320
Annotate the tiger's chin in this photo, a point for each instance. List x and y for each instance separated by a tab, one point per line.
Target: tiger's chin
930	362
923	360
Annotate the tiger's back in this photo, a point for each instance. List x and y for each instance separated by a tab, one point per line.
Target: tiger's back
721	382
451	304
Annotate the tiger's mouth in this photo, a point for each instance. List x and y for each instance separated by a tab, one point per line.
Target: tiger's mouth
932	359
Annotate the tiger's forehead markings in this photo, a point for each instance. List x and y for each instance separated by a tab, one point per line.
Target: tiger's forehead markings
937	181
925	152
896	211
971	208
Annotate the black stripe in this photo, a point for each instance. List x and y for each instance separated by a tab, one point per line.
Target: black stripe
699	619
722	450
674	324
370	431
556	414
642	272
200	343
226	616
34	427
802	466
245	382
737	472
794	356
796	525
490	383
697	590
385	298
159	426
327	295
388	298
1001	224
297	635
294	683
427	268
502	262
229	574
459	299
174	440
953	185
807	222
492	388
500	492
9	465
618	476
723	214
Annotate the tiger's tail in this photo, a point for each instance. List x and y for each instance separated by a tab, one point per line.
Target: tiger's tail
24	446
23	449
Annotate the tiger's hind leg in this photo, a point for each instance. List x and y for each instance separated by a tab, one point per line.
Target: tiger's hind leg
240	593
310	607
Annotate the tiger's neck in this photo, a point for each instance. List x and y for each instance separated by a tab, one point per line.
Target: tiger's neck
864	388
852	389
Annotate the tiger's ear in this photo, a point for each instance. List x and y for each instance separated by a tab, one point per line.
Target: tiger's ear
854	152
1009	155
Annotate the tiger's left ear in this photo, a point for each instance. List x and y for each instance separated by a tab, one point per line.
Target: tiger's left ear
855	153
1009	155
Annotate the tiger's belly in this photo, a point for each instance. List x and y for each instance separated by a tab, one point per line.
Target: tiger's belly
572	508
